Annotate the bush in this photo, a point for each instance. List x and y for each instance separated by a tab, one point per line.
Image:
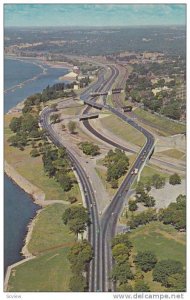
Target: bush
89	148
175	179
146	260
165	268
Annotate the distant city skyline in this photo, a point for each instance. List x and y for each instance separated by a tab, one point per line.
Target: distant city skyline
94	14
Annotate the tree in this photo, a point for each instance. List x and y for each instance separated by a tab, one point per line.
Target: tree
35	133
125	288
132	205
157	181
18	140
72	127
120	253
122	273
29	123
181	202
80	253
149	201
15	124
175	213
77	218
122	238
89	148
55	118
34	153
139	188
77	283
141	286
146	260
175	179
165	268
114	183
177	282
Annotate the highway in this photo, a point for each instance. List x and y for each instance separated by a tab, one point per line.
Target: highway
93	231
102	230
111	214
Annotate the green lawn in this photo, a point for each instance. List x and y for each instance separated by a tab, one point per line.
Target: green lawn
49	230
165	127
29	166
174	153
47	273
75	110
164	240
123	130
149	171
50	242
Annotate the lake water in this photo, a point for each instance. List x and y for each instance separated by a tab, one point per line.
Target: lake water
18	205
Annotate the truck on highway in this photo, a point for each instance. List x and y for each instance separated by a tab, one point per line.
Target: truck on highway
134	172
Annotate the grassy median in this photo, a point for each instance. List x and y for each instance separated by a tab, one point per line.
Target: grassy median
123	130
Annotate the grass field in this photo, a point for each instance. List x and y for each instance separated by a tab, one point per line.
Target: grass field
50	270
164	240
47	273
174	153
29	166
75	110
123	130
165	127
149	171
50	231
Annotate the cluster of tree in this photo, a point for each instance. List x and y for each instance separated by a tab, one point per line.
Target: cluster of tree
121	248
139	88
26	128
175	179
146	260
143	196
79	256
139	286
158	181
89	148
117	164
142	218
121	273
57	165
77	218
175	213
170	274
50	92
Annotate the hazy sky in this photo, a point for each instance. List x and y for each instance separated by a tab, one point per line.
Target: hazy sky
93	14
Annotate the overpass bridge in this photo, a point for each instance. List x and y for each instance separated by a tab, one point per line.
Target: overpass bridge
83	117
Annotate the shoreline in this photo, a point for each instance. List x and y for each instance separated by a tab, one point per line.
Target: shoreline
39	63
36	194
